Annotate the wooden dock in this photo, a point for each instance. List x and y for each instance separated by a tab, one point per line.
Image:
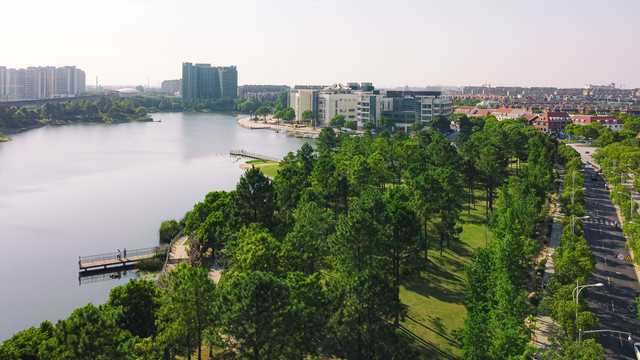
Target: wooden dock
251	155
115	259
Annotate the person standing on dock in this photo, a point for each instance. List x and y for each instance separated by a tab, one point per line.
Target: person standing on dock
119	258
124	253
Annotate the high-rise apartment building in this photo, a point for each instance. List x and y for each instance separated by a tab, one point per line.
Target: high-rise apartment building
3	82
171	86
35	83
202	81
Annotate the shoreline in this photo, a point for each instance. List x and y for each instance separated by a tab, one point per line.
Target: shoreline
247	123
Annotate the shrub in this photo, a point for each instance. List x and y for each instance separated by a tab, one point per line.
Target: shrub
168	230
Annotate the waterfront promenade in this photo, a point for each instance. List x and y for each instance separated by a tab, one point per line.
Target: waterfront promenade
246	122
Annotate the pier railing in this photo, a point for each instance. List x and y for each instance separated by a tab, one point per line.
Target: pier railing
114	255
253	155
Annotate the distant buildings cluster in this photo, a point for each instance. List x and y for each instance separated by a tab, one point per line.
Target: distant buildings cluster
202	81
35	83
362	103
261	92
603	99
550	122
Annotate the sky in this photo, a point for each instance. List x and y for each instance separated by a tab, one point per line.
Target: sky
559	43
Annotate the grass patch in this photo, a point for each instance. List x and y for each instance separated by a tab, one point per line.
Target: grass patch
435	296
270	170
258	161
153	264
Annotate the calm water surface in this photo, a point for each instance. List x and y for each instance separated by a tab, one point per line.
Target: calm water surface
88	189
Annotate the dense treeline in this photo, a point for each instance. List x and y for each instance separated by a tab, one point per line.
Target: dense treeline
115	110
107	110
314	260
497	306
574	263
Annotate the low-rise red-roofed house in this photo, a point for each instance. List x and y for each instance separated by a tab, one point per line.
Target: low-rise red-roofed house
553	122
607	121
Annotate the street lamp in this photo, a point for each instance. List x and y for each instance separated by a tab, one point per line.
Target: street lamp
603	330
573	222
573	192
621	174
577	290
630	195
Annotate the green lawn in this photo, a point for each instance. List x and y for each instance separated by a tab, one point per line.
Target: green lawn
270	169
258	161
267	167
436	296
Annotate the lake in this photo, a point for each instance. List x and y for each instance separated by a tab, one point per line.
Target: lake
74	190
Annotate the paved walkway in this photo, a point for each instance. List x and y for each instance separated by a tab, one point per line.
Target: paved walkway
544	323
246	122
215	272
177	253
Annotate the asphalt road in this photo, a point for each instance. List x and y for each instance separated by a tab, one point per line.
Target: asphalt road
614	303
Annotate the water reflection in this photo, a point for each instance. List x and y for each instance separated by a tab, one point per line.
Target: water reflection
123	275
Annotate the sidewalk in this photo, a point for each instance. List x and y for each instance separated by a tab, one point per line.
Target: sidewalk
246	122
544	323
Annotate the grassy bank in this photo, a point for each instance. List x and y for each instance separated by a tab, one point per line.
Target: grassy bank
268	168
435	297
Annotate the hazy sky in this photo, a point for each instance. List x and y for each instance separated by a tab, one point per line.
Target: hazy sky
562	43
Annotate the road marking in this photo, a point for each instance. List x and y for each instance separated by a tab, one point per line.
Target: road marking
608	279
613	308
620	338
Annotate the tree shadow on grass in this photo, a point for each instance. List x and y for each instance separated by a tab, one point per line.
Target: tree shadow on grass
438	328
429	348
427	287
474	219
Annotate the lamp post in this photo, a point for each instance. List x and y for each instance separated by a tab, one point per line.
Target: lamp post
603	330
573	192
573	222
577	290
630	195
621	174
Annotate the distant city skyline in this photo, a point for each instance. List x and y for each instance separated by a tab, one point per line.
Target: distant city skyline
412	43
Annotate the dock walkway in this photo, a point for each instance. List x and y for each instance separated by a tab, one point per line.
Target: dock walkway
253	155
113	259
